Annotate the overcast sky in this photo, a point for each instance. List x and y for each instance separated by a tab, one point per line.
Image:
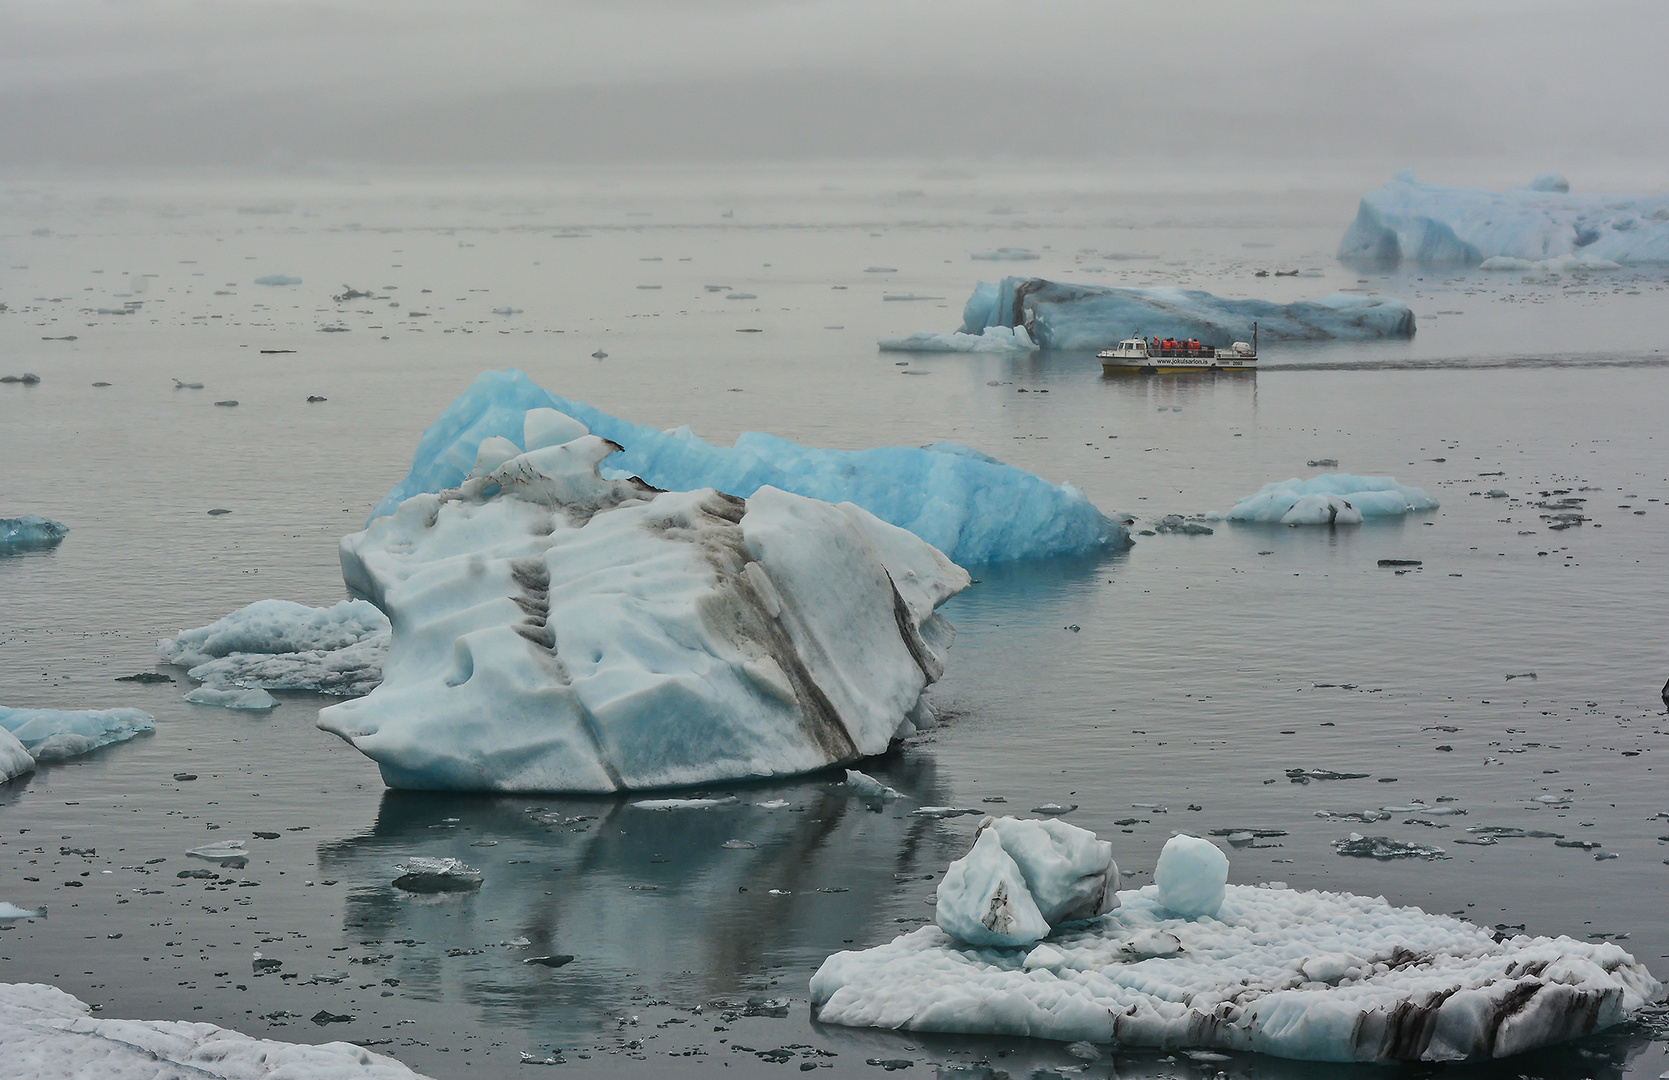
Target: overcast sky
511	82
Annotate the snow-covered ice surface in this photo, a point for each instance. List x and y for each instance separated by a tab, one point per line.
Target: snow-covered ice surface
993	339
1330	499
1321	976
562	632
14	759
283	645
1063	316
31	532
970	506
1429	225
52	735
46	1033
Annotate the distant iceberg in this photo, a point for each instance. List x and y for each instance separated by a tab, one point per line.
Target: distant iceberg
993	339
30	533
1006	254
278	279
1559	264
1192	963
1330	499
282	645
1428	225
52	735
556	631
970	506
1062	316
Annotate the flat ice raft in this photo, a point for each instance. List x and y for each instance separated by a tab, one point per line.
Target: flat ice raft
557	631
52	735
1331	499
1061	316
1311	975
1532	227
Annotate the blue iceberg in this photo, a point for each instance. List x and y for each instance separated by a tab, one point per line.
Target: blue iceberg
1407	221
56	734
30	532
1062	316
1330	499
972	507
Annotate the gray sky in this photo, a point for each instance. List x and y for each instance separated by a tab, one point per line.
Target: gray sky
1525	83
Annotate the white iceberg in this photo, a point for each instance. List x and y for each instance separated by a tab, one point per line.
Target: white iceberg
1310	975
556	631
231	697
1057	315
282	645
1330	499
15	761
31	532
46	1032
52	735
1022	879
1437	226
993	339
1191	875
970	506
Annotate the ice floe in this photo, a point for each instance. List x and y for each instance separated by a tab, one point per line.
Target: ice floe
421	874
12	911
1299	974
46	1032
15	761
31	532
1330	499
1430	225
52	735
282	645
231	697
1062	316
557	631
993	339
970	506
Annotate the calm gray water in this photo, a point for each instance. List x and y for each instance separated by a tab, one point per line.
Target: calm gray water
1170	687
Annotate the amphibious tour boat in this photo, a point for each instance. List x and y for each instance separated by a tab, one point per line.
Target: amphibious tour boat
1171	354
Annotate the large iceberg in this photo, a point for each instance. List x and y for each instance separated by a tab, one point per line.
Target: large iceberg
283	645
51	735
45	1032
1330	499
1320	976
558	631
970	506
1437	226
31	532
993	339
1062	316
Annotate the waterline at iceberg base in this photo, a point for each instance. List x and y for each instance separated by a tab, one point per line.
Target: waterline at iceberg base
555	631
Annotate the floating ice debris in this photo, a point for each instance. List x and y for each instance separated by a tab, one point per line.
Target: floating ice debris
1330	499
741	296
42	1025
1022	878
1063	316
282	645
555	960
15	761
865	786
563	632
1304	776
31	532
1366	817
1178	525
772	804
420	874
1006	254
52	735
146	677
738	845
1053	809
1323	463
1553	800
1309	975
28	378
10	912
231	697
970	506
685	804
507	311
1436	226
229	853
993	339
943	811
1523	675
278	279
229	403
178	385
1383	847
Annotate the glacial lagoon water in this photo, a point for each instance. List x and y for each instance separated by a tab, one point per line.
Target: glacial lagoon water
1186	684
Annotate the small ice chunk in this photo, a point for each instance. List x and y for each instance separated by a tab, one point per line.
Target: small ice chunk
1191	874
278	279
31	532
1385	848
230	853
232	697
865	786
420	874
12	911
685	804
983	898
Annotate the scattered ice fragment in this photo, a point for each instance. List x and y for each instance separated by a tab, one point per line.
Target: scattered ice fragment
278	279
1304	776
229	853
507	311
420	874
865	786
686	804
31	532
282	645
1383	847
553	961
1330	498
772	804
942	811
1053	809
738	845
1083	1051
231	697
1190	876
52	735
